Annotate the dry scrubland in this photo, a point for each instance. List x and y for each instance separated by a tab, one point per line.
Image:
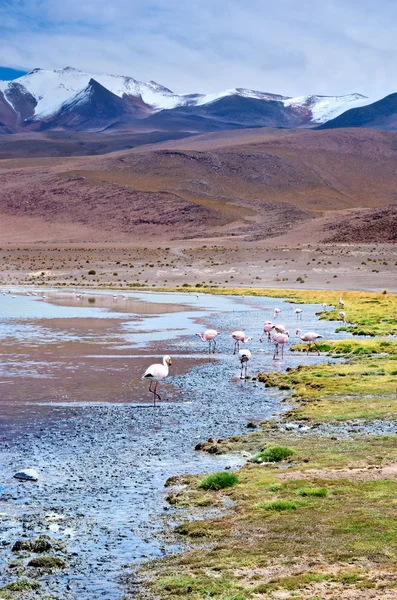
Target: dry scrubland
312	514
309	266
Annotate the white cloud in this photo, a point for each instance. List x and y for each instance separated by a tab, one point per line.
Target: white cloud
286	47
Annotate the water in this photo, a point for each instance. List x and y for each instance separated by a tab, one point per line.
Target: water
74	407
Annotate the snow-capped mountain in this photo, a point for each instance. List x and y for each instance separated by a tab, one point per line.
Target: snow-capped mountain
45	99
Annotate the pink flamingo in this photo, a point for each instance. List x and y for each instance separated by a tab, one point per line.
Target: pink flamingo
209	336
298	312
310	337
244	356
156	373
277	311
268	326
280	338
239	338
279	328
343	317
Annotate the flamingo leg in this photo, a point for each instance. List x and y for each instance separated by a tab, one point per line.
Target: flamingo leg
275	351
282	350
308	348
155	394
316	347
268	336
213	352
241	371
209	347
246	370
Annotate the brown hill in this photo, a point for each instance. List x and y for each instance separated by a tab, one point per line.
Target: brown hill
246	184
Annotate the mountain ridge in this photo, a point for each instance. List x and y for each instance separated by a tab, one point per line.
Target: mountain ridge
40	96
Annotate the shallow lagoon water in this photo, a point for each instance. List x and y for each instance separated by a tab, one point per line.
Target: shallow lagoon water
74	408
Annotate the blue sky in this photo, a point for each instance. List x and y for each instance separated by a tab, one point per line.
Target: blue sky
284	46
7	73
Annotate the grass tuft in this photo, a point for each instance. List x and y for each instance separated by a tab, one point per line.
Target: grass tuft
277	505
218	481
47	563
316	492
21	585
275	454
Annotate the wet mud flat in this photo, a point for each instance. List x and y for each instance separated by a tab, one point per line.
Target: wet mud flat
103	453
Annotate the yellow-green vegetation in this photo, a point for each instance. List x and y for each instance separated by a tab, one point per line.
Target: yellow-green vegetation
47	563
277	505
16	588
353	347
326	524
313	516
369	313
364	388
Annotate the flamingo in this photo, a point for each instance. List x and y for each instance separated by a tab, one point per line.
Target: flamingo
343	317
244	356
209	336
324	306
280	328
298	312
156	373
280	338
239	337
310	337
341	303
277	311
268	326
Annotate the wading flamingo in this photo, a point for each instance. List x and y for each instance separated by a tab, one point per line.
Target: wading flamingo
310	337
239	338
209	336
244	356
279	328
341	303
277	311
280	338
343	317
268	326
298	312
156	373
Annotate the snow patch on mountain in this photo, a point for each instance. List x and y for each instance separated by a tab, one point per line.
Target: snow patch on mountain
52	89
324	108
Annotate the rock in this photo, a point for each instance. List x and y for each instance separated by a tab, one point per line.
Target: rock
42	544
27	475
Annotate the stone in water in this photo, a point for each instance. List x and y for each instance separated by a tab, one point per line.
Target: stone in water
27	475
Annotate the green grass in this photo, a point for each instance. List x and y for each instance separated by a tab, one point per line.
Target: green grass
356	523
24	585
218	481
314	492
275	454
277	505
362	388
351	347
